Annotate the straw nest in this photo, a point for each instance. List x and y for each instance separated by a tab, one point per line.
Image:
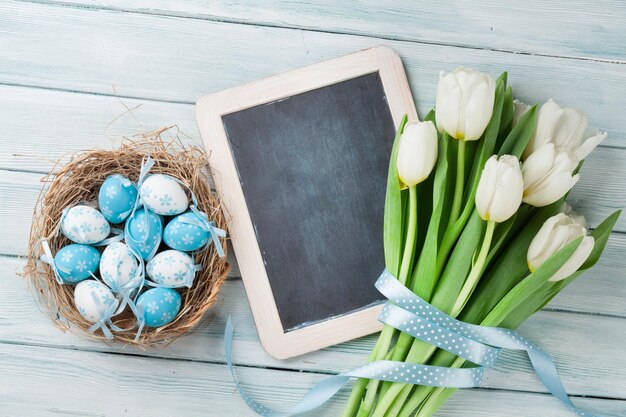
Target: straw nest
79	181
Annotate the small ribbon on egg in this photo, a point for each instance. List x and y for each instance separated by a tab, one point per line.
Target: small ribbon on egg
49	259
204	223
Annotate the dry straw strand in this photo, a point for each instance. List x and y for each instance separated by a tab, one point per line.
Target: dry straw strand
79	181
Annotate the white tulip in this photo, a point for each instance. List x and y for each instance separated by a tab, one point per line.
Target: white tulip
548	175
566	128
556	233
464	103
417	152
519	109
500	188
578	218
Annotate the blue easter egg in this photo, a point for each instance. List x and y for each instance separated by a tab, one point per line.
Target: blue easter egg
76	262
143	232
183	236
160	306
116	198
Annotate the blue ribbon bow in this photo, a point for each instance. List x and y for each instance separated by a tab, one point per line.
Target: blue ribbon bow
410	314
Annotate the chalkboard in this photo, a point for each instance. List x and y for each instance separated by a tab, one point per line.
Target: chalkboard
300	162
313	168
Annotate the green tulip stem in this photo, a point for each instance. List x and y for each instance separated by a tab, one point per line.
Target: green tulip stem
387	334
460	182
475	273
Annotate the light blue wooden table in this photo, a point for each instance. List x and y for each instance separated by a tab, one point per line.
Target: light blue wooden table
68	68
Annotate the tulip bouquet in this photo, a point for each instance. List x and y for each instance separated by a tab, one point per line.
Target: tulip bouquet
476	222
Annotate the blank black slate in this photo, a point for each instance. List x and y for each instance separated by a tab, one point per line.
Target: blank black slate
313	169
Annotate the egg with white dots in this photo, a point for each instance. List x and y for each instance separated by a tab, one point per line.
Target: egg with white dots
172	268
84	224
76	262
94	299
116	198
164	195
143	232
119	267
184	232
160	306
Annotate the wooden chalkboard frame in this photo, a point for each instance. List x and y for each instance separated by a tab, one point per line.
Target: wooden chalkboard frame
209	112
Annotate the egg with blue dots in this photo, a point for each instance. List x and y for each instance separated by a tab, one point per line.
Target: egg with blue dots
76	262
171	268
164	195
84	224
143	232
119	267
116	198
93	299
183	232
160	306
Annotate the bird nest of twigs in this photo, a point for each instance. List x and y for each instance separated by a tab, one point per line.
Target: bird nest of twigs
78	181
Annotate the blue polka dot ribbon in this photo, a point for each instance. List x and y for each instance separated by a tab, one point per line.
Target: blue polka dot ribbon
410	314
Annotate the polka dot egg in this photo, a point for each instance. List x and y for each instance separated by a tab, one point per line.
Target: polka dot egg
160	306
93	299
117	198
76	262
171	268
84	224
164	195
183	233
143	232
119	267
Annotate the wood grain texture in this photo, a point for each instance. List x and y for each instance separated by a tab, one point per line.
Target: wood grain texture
563	28
174	59
59	64
580	343
140	386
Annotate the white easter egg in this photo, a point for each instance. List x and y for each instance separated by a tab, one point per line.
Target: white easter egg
171	268
164	195
119	267
86	225
93	299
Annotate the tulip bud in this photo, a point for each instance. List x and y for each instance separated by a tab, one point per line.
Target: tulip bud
577	218
556	233
499	192
519	108
548	175
564	127
417	152
464	103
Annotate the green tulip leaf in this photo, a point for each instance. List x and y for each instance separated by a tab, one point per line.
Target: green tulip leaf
517	140
393	229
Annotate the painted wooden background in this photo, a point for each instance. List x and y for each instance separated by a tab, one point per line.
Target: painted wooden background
67	66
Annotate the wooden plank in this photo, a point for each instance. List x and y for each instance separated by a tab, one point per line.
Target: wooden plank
577	29
42	381
40	126
173	59
585	347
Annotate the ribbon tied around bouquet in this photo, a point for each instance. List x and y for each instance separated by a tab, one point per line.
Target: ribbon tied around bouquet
411	314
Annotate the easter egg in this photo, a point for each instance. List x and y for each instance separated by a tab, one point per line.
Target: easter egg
119	267
76	262
171	268
84	224
93	299
160	306
143	232
117	198
185	236
164	195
